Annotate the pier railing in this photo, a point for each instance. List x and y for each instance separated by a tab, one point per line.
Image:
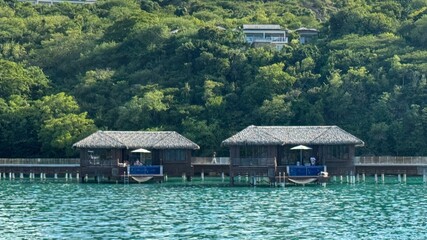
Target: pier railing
40	162
210	160
255	162
391	160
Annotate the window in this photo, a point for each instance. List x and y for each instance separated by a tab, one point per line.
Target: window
172	155
100	156
339	152
254	152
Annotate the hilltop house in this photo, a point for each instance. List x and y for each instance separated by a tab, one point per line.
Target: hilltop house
265	34
307	35
110	153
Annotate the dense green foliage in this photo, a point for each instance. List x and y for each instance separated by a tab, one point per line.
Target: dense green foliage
66	70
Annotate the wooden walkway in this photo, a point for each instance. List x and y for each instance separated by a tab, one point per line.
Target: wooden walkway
390	161
39	162
412	166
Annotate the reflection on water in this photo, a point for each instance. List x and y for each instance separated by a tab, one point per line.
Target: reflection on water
49	210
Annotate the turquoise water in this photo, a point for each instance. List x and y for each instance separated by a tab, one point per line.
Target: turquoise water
60	210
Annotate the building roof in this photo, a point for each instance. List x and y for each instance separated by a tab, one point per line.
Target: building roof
136	139
305	30
292	135
261	27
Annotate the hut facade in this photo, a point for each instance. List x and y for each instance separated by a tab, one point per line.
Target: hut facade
268	149
109	153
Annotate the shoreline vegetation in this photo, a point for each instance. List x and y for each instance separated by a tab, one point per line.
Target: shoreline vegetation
67	70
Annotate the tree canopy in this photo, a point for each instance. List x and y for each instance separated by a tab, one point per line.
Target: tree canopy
69	69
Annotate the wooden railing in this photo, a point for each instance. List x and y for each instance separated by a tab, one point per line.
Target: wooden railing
211	160
255	162
39	161
390	160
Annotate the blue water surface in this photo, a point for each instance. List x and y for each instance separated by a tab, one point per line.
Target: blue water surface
61	210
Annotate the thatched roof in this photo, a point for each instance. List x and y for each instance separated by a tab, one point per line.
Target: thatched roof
292	135
136	139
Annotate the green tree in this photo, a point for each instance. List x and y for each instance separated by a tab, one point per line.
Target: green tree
59	134
15	79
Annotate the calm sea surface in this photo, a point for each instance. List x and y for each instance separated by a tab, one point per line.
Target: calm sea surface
60	210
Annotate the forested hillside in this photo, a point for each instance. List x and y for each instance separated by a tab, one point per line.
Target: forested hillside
67	70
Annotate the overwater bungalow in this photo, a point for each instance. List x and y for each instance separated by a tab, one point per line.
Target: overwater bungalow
296	151
135	154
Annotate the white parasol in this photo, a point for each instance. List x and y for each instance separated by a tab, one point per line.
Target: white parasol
300	147
141	151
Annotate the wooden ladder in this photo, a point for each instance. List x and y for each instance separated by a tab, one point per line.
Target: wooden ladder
125	178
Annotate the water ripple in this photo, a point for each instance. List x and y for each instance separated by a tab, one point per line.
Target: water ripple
49	210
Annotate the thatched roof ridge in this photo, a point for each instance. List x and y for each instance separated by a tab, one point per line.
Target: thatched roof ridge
292	135
136	139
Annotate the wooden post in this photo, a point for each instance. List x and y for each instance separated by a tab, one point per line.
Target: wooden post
376	178
404	178
284	179
424	176
202	175
382	177
363	177
399	179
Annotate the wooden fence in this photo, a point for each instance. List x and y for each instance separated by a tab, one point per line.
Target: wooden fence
39	162
210	160
390	161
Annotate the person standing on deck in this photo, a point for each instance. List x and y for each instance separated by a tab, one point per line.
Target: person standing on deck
214	158
313	161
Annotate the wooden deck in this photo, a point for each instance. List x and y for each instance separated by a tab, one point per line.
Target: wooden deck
415	166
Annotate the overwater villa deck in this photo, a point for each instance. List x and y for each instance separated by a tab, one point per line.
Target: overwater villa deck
289	151
135	154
